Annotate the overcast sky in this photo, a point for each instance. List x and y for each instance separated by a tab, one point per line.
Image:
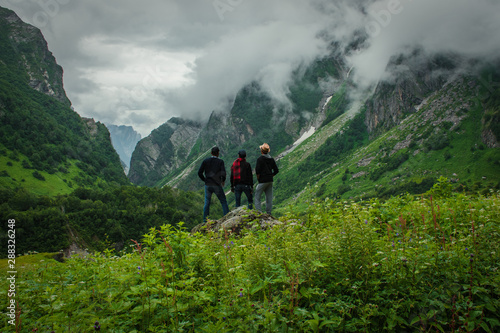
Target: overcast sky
139	63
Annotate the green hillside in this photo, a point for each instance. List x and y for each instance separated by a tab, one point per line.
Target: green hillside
14	175
45	146
443	138
47	137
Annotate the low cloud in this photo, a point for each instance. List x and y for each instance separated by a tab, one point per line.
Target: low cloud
462	27
265	53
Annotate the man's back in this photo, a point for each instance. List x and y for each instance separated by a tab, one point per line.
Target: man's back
266	168
241	173
212	171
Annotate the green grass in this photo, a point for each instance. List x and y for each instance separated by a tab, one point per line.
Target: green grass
27	262
13	175
20	177
54	184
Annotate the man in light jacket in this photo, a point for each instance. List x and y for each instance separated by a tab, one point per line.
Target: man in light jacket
265	169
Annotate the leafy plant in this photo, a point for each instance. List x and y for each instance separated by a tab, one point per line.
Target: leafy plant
406	264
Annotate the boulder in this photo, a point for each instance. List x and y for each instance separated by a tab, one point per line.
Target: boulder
237	220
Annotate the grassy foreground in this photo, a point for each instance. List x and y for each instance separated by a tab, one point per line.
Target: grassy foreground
412	264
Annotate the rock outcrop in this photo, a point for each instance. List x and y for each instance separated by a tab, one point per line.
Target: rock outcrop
413	79
237	220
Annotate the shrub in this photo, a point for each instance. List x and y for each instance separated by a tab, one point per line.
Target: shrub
26	164
437	141
442	188
447	155
391	163
38	175
343	189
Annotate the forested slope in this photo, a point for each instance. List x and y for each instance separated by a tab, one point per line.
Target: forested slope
94	219
45	146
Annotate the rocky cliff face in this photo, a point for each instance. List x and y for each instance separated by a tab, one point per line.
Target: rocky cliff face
165	149
225	131
413	79
489	138
33	57
417	79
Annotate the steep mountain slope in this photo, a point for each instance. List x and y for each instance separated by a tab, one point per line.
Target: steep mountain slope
442	137
163	151
414	77
24	51
45	146
124	140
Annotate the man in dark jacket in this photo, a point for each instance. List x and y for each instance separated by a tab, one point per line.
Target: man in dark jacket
213	172
265	169
242	179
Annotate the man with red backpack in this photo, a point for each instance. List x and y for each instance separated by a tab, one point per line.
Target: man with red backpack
242	179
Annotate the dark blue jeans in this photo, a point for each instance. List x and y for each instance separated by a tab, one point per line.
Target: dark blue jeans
247	189
219	192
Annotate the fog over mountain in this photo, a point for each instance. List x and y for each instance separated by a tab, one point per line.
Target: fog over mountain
138	64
